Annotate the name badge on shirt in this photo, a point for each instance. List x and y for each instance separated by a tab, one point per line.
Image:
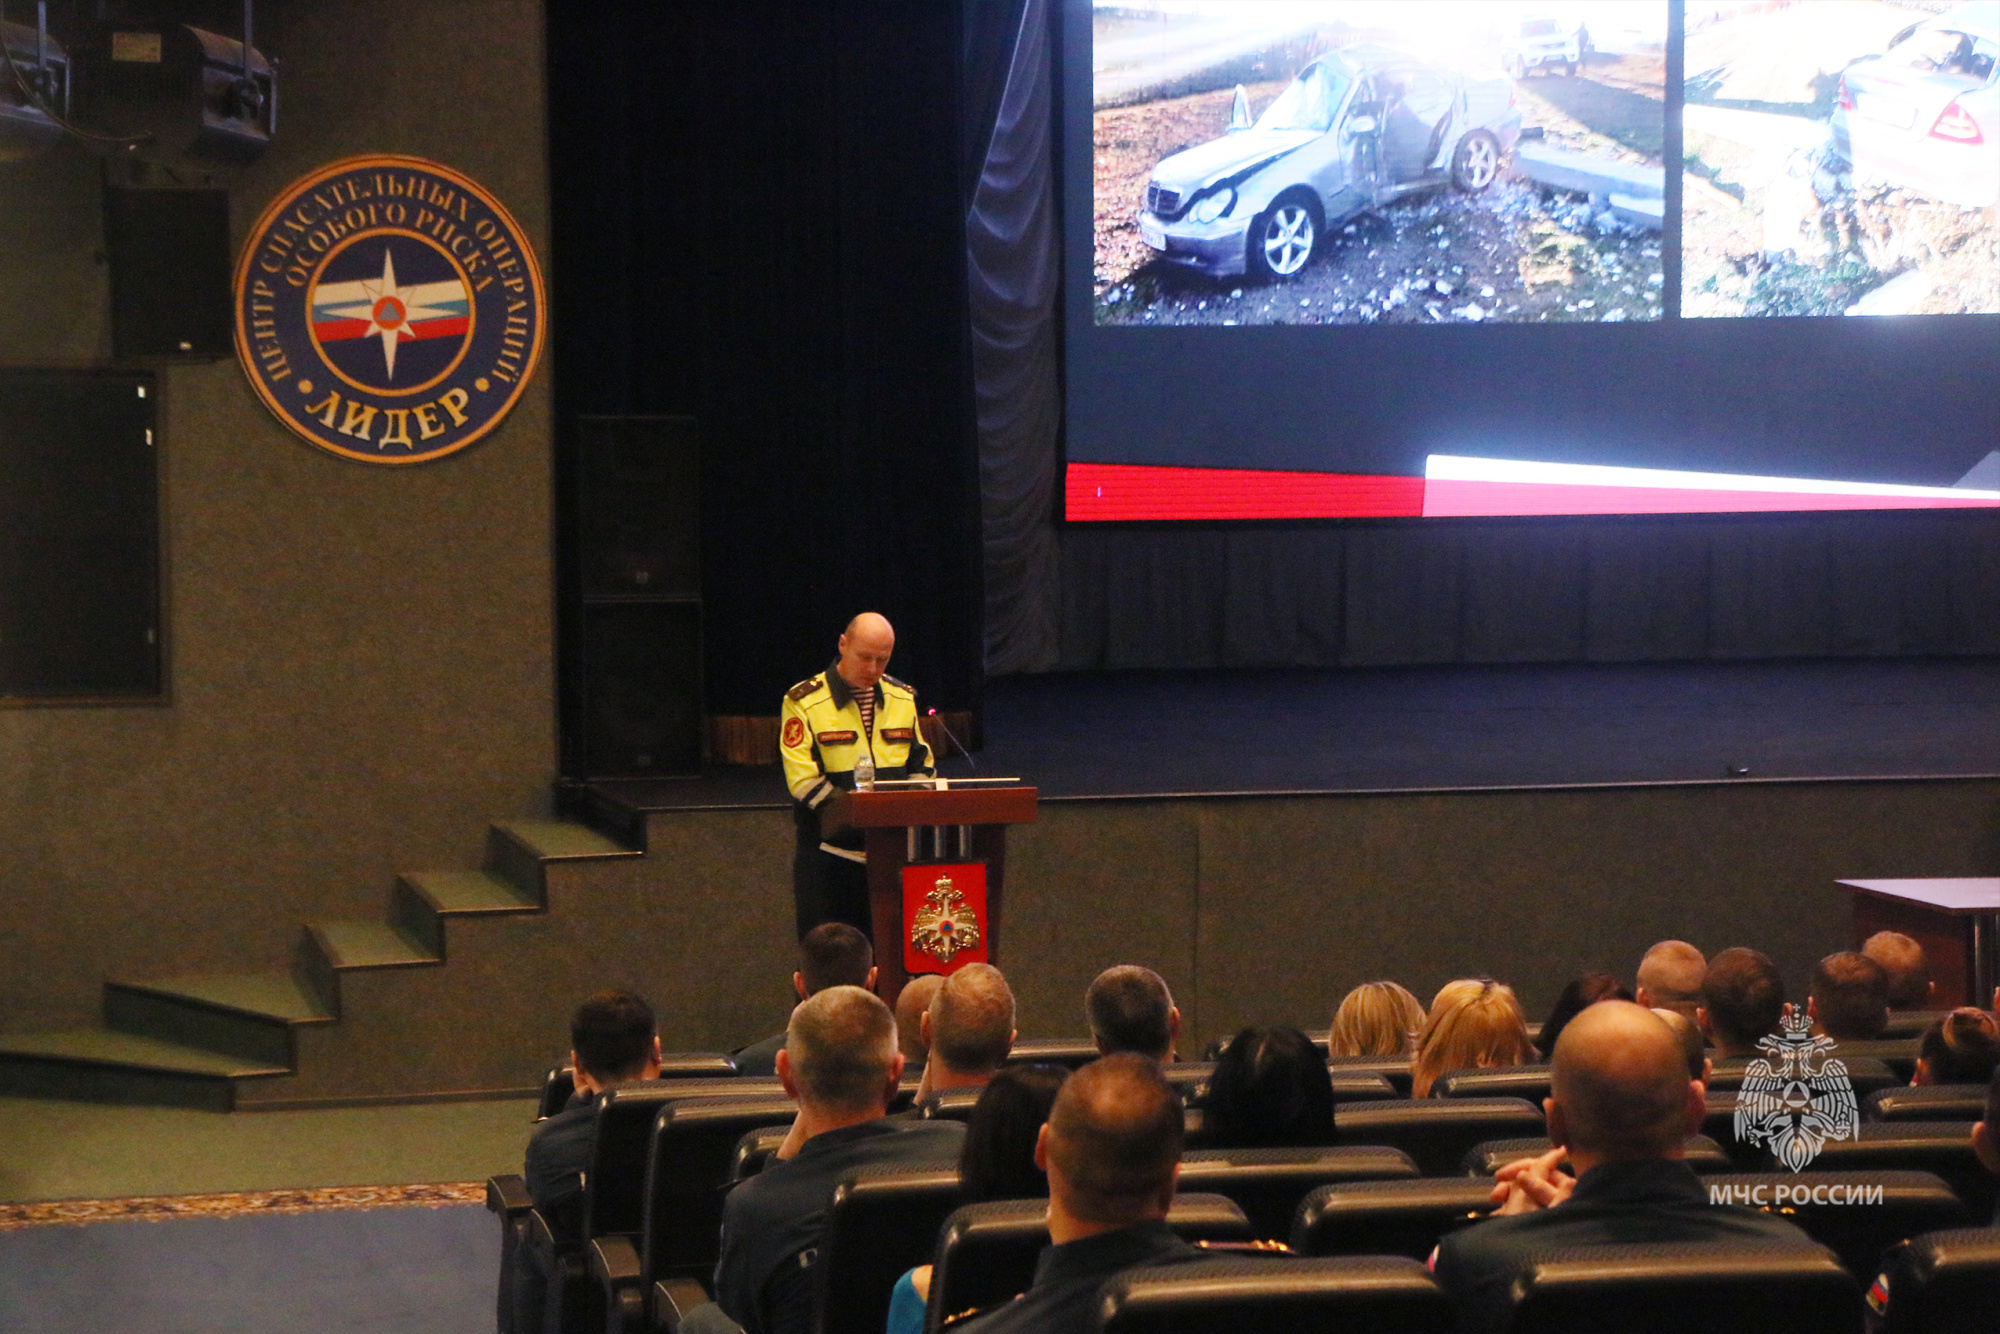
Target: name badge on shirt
899	734
836	738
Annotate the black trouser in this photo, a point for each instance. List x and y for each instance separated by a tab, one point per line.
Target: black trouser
826	888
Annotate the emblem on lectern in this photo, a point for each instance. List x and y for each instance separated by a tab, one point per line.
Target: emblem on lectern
944	925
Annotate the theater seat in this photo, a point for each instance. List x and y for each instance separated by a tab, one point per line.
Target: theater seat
1857	1215
1865	1072
1941	1283
557	1087
1395	1069
1514	1081
755	1151
1714	1287
950	1105
1190	1079
1927	1102
1436	1132
560	1083
1282	1295
1909	1023
880	1222
1360	1086
1943	1147
1072	1052
1899	1054
1701	1153
1719	1124
986	1252
1267	1184
1388	1217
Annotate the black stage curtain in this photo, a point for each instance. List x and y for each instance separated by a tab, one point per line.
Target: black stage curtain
757	218
1464	591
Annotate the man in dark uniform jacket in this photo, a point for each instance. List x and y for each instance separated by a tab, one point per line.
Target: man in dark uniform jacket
1621	1107
852	714
1112	1149
613	1042
840	1062
833	954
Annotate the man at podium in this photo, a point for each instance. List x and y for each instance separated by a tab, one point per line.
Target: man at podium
852	721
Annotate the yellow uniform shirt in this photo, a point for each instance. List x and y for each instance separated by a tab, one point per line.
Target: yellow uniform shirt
821	736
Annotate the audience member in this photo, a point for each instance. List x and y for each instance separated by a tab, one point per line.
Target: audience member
914	999
1376	1019
1270	1090
613	1042
1581	993
998	1163
833	954
1112	1150
1910	985
969	1029
1742	1000
1620	1108
1693	1045
1474	1022
841	1063
1130	1009
1960	1047
1986	1135
1670	977
1849	1000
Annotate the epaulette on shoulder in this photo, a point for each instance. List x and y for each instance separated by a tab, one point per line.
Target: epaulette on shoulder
904	686
804	688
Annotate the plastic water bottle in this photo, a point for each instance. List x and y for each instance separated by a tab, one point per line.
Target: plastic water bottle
864	772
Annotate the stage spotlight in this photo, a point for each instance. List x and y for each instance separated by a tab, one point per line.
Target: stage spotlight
34	75
178	94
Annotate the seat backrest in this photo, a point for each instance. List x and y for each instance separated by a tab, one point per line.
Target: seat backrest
1395	1069
1267	1184
881	1222
1514	1081
1856	1215
1405	1217
1281	1294
1361	1086
950	1104
1927	1102
1719	1124
1943	1147
1908	1023
557	1086
755	1151
1190	1079
1866	1073
693	1146
1072	1052
697	1065
1943	1283
1899	1054
614	1185
1436	1131
1736	1287
1700	1152
986	1252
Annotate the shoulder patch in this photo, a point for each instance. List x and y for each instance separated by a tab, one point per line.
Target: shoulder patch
803	688
903	686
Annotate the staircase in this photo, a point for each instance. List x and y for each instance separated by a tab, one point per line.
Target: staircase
339	1019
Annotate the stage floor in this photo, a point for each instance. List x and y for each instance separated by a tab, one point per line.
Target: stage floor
1455	728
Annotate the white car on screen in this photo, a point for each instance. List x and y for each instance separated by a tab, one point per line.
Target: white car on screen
1925	114
1544	41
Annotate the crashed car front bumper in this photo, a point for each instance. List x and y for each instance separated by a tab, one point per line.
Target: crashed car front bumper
1215	248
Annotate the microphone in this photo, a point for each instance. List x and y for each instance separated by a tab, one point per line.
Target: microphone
933	713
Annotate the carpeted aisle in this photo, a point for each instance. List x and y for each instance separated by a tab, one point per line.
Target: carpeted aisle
399	1270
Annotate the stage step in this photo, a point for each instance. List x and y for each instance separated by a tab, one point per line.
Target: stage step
191	1040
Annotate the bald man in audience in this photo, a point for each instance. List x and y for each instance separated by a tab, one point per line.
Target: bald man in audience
1670	977
1112	1150
1909	973
969	1029
1620	1108
1849	1000
911	1005
840	1063
1742	1000
1130	1009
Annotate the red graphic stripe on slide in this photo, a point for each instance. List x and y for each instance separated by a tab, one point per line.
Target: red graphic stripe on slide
1101	492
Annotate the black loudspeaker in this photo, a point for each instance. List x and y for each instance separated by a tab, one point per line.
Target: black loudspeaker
639	481
642	711
170	273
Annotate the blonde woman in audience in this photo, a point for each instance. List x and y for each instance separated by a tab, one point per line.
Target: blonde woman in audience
1376	1019
1474	1022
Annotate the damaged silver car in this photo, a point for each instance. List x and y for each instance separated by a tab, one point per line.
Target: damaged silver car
1355	130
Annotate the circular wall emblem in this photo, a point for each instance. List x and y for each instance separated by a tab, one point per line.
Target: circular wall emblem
388	309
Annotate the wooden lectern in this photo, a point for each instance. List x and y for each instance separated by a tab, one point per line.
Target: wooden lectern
914	825
1956	921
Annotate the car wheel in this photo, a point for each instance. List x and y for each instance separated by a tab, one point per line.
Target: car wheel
1569	69
1281	240
1476	162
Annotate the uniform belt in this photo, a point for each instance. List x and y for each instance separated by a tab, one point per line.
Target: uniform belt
849	853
